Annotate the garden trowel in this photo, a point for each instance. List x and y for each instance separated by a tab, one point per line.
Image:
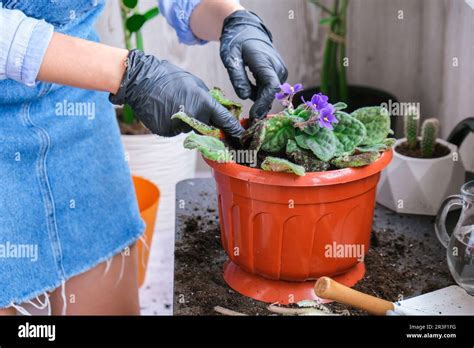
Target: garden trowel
452	300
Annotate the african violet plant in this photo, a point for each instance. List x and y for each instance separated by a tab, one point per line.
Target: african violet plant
316	136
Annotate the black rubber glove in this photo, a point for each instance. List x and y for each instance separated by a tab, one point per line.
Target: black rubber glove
156	89
245	41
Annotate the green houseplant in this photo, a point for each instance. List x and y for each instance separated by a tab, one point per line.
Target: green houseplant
333	81
132	23
315	136
313	186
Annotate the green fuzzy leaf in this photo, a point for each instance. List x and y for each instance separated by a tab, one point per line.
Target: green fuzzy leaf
323	144
275	164
349	131
387	144
197	125
233	107
339	106
300	139
210	147
377	123
304	158
302	112
372	148
311	129
278	130
354	161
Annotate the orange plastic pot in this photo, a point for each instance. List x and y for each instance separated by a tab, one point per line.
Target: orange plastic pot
148	196
276	228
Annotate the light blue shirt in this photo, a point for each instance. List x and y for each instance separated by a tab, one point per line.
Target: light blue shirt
24	40
23	43
178	14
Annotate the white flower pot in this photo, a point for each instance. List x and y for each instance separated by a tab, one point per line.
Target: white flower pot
419	185
164	161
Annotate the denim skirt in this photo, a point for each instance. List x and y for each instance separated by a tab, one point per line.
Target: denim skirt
67	201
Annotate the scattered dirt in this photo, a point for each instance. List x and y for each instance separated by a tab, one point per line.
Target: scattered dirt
439	151
199	259
397	266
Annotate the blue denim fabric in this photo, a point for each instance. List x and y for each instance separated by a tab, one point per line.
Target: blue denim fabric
66	187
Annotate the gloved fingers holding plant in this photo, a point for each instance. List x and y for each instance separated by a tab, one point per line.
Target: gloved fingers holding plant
246	42
156	89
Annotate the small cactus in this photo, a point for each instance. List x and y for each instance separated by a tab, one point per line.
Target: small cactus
429	134
412	122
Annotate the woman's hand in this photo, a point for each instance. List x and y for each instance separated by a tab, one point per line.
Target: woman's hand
157	89
245	41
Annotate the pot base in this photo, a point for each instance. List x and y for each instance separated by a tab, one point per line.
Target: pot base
280	291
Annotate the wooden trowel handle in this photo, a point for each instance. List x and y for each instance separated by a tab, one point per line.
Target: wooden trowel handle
331	290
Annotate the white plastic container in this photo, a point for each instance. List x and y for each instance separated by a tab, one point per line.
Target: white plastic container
419	185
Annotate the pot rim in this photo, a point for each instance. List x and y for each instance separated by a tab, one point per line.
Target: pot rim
452	148
331	177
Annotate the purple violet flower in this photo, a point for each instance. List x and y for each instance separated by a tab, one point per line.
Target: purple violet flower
322	112
326	117
318	102
287	90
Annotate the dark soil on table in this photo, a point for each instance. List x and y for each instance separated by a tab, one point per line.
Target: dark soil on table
439	151
397	266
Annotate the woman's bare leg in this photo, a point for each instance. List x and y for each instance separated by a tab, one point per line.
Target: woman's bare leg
96	293
7	311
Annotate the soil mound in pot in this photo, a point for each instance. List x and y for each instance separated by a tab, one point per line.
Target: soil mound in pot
439	151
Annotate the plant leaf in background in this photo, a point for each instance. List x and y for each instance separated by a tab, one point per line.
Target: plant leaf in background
136	21
132	22
328	20
131	4
333	72
210	147
376	120
275	164
233	107
197	125
127	115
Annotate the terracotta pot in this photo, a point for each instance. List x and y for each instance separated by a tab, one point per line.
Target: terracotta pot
277	228
148	196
